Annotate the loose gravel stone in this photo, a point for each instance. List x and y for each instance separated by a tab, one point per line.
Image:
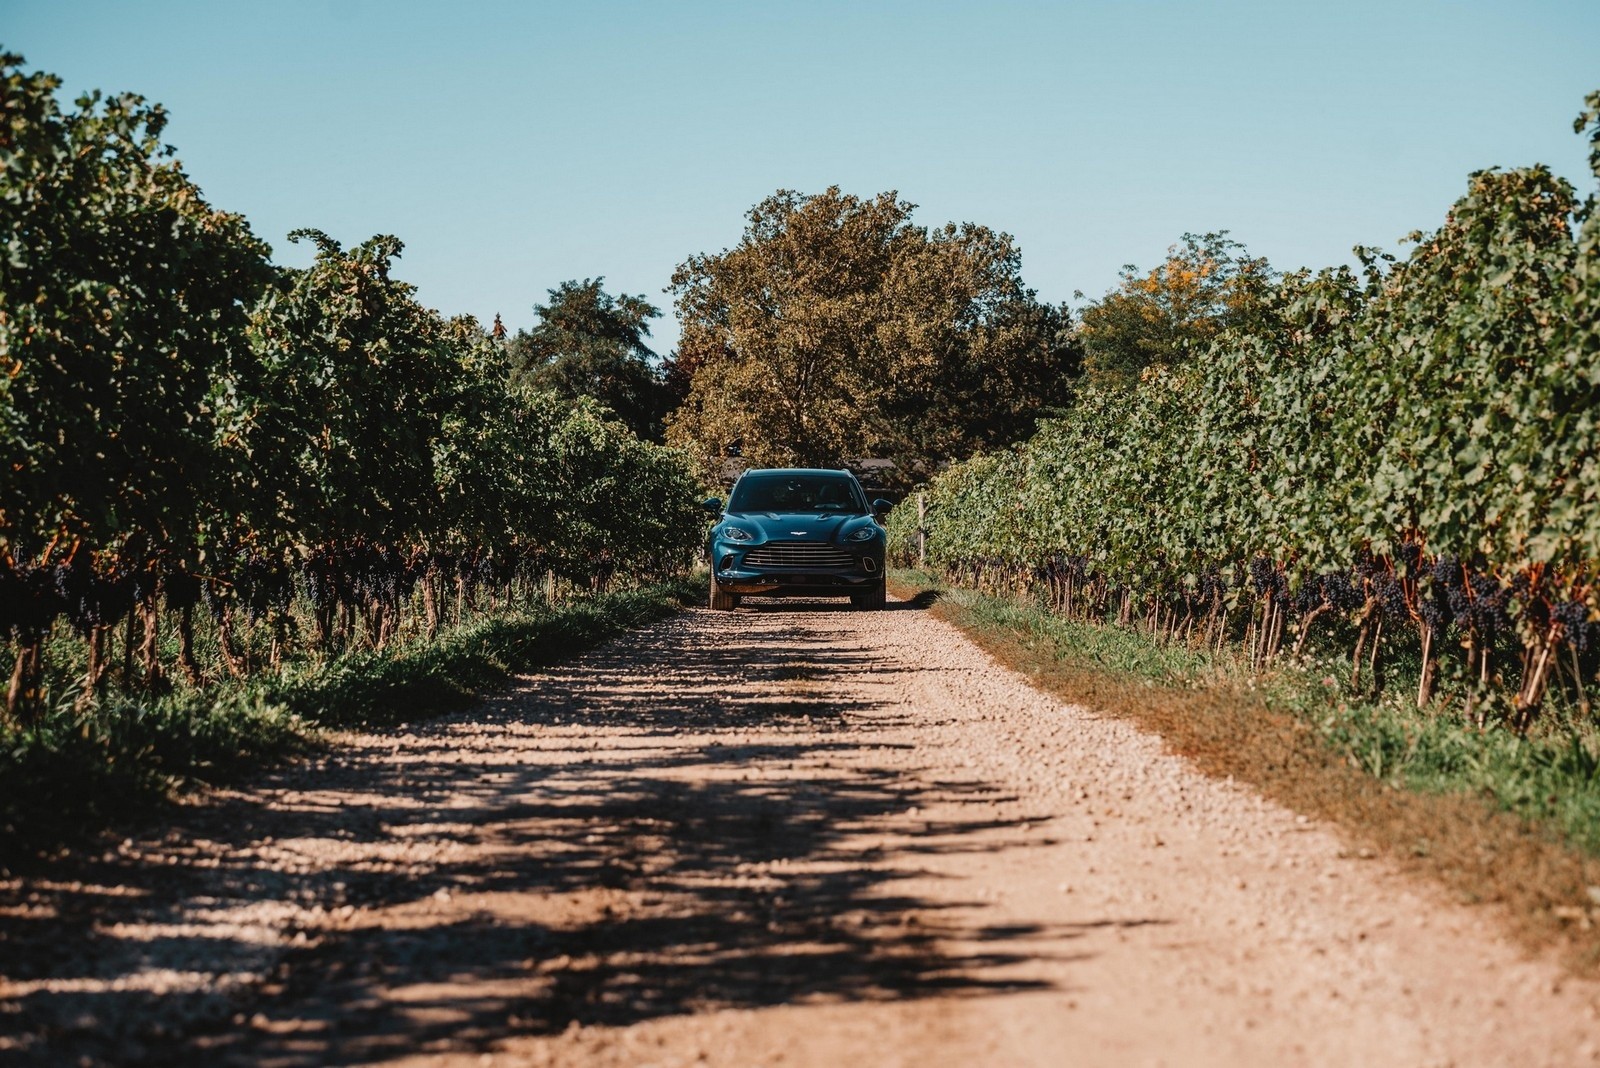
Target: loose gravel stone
789	834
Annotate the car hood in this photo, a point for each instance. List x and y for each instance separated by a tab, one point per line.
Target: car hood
798	526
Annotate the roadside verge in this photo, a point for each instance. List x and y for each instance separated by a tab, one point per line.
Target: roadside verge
1547	886
79	771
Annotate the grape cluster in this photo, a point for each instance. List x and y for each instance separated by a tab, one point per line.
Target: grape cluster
76	590
1449	588
29	601
1391	596
91	598
1383	586
1067	568
1269	580
1078	568
1340	591
1440	598
33	596
382	576
325	580
1408	559
482	568
1489	611
1062	567
1309	596
259	584
1573	616
355	576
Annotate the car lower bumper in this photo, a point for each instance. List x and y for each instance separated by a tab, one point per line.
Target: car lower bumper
796	583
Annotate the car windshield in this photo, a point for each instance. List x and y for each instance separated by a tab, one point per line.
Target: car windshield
797	493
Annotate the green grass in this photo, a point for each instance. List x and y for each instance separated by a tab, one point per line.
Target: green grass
1121	650
1549	776
80	769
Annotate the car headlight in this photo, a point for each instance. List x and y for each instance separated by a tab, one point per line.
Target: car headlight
863	534
737	534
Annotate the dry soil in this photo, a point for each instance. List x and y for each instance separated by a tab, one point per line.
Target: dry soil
792	835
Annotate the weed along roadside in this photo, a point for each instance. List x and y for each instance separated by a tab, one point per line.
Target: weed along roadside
1499	821
78	770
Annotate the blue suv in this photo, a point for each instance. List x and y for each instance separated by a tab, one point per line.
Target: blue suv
796	532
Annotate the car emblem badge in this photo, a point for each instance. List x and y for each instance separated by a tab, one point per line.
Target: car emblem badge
797	533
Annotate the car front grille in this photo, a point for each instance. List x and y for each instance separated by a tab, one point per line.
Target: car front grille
799	556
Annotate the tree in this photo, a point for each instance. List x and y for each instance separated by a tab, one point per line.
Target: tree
1206	285
838	329
590	344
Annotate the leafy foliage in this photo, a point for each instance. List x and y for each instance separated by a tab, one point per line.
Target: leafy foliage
590	344
345	409
838	329
1410	450
186	428
123	299
1207	284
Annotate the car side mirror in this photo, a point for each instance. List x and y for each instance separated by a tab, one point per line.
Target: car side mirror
881	507
712	505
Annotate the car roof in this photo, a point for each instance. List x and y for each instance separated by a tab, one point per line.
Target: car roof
758	472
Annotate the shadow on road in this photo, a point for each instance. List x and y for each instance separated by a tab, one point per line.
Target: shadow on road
920	603
696	817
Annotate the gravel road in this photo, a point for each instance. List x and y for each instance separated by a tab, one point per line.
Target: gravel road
791	835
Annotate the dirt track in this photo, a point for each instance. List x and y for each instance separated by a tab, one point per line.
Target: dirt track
796	836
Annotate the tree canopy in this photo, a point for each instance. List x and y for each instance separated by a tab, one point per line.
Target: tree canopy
589	343
1207	284
837	328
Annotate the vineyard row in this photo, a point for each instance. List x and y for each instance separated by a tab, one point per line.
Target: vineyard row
309	456
1405	458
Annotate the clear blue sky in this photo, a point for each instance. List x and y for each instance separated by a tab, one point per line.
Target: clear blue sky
516	145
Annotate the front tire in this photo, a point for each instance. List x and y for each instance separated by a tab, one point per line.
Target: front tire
871	601
722	600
